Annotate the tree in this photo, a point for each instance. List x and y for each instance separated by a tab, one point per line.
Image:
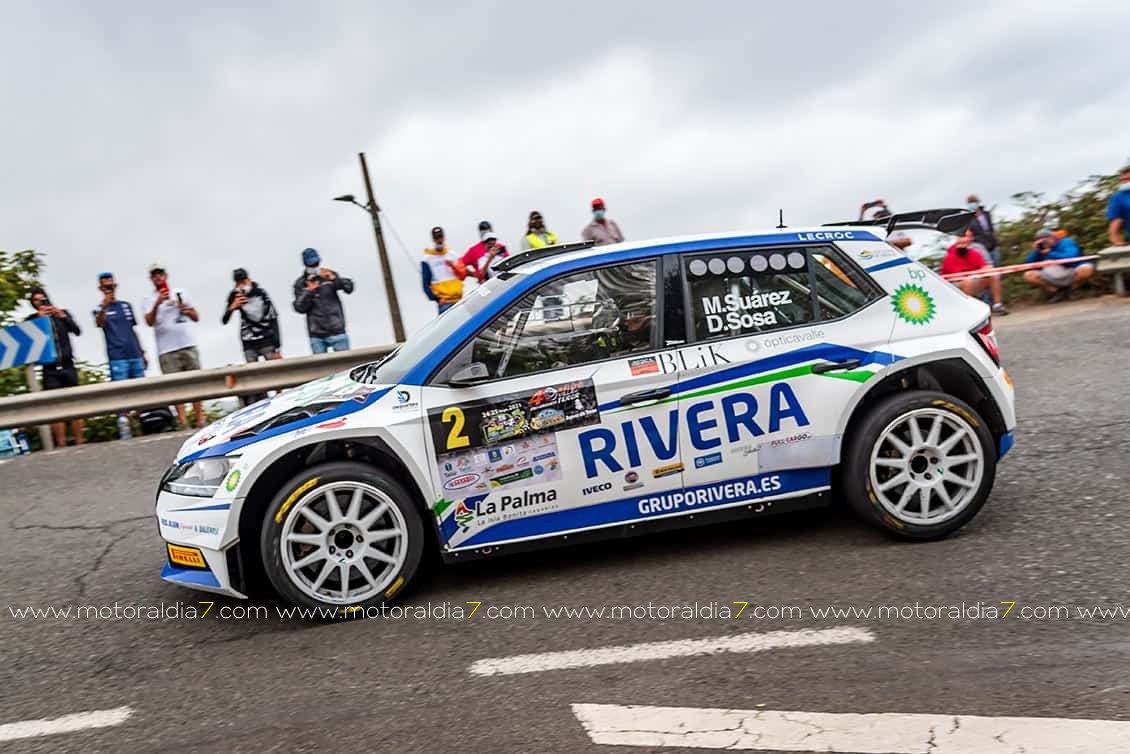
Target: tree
19	273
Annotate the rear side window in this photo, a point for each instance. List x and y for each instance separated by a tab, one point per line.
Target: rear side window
735	293
742	292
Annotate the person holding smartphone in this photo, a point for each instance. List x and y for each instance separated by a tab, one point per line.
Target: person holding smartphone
169	311
62	373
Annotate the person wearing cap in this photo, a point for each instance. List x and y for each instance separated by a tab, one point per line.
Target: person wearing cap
966	255
537	237
1058	280
442	274
478	259
316	294
603	230
1118	209
169	311
61	373
258	318
116	320
983	231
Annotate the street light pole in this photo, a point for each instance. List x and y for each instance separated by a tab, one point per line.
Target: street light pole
390	289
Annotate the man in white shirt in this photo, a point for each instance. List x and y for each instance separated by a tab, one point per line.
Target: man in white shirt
169	312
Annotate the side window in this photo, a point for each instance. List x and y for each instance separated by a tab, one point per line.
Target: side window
742	292
840	288
588	316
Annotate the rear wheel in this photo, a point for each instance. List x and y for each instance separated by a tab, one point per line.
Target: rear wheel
341	536
920	465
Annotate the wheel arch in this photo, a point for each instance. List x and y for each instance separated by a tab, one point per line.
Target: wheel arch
370	450
953	376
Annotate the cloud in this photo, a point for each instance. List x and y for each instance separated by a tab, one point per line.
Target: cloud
211	137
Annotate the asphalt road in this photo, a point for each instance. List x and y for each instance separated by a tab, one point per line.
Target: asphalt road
78	530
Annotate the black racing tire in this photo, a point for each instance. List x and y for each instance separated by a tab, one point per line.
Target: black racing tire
856	472
303	490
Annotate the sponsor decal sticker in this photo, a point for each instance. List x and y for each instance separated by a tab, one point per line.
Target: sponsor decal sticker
643	365
596	488
913	304
187	557
333	423
707	460
517	476
232	480
460	482
668	470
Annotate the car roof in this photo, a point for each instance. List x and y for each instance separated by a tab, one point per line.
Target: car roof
701	242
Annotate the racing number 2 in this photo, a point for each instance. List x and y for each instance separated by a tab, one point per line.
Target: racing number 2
455	438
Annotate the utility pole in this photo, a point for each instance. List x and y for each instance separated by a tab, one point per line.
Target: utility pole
382	252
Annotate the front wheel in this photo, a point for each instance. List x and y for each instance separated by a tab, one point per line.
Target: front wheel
920	465
341	537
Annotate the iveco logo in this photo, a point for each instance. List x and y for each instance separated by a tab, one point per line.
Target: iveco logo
597	488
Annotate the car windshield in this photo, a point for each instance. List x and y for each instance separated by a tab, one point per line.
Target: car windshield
393	367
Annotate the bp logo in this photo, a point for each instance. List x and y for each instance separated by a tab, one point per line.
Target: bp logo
913	304
233	480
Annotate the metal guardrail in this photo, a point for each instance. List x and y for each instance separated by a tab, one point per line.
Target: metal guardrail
183	387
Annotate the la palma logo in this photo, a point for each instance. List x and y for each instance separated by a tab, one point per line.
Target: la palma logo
913	304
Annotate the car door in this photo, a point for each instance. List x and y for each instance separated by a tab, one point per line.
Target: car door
775	357
567	426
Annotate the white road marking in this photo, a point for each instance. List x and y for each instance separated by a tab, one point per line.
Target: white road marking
105	718
762	730
662	650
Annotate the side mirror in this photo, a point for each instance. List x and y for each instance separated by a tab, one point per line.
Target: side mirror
472	374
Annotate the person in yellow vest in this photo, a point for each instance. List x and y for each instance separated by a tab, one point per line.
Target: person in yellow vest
442	273
537	237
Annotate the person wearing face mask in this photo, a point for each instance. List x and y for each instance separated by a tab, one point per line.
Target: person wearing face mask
603	230
316	294
966	255
983	231
537	237
1118	210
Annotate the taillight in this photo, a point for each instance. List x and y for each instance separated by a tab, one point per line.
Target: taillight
988	340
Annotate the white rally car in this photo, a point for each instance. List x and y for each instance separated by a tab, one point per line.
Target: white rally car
593	392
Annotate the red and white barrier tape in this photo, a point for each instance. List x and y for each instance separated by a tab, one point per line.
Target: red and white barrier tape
986	272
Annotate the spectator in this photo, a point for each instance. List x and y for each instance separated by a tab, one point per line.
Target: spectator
983	231
896	238
258	318
442	275
1118	211
537	236
316	296
168	311
115	318
63	372
967	256
603	230
1058	280
478	258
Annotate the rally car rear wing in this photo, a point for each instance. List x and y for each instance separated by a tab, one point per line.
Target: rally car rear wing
952	220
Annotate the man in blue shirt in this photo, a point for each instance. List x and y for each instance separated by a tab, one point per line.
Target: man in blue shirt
1057	279
123	349
1118	211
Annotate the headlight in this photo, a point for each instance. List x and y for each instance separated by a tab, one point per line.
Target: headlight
199	478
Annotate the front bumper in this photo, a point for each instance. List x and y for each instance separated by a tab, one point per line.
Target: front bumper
204	524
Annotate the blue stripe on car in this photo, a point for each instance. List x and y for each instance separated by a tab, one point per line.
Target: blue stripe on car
1007	440
218	507
889	264
189	576
344	408
626	510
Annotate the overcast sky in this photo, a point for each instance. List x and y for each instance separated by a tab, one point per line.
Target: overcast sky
212	137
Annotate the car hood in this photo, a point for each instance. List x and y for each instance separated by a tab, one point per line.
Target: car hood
297	404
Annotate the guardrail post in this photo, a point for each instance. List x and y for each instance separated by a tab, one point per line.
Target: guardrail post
44	429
